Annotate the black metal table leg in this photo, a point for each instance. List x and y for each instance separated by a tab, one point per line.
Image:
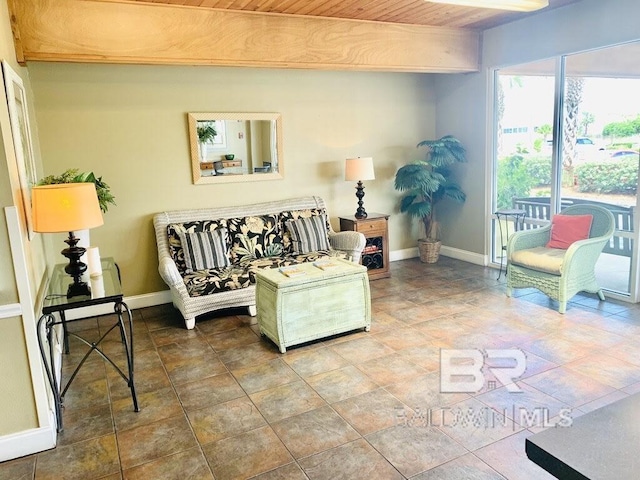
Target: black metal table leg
119	308
503	247
518	217
65	332
49	321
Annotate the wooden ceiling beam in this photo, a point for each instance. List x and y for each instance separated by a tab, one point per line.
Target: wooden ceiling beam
142	33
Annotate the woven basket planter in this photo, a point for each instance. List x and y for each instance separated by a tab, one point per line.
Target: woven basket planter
429	250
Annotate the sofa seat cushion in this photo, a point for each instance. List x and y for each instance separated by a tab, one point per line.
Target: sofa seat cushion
215	280
237	276
542	259
253	266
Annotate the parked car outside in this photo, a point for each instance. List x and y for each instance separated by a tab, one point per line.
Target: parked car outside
624	154
586	148
582	143
585	142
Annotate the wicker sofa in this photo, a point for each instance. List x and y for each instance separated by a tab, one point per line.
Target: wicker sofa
257	238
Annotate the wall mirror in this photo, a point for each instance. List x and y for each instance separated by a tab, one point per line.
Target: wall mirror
235	147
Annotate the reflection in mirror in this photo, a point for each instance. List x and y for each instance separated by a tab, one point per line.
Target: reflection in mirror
235	147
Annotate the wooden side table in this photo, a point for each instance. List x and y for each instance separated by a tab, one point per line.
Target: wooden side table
375	255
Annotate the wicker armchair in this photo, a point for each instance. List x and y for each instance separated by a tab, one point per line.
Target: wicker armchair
566	272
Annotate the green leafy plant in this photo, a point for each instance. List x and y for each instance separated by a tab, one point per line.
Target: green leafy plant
539	169
626	128
105	197
206	131
613	177
513	180
429	181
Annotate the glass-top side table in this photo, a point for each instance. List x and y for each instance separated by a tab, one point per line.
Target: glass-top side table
518	220
105	288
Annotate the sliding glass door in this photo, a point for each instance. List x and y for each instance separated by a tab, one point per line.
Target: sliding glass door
587	152
524	119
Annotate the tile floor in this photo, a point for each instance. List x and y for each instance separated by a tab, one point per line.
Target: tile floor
220	402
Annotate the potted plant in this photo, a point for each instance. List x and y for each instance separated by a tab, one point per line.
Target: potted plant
206	132
73	176
426	182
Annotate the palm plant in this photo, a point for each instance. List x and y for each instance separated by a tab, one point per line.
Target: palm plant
428	181
206	131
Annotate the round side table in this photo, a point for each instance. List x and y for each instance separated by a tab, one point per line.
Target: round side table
518	220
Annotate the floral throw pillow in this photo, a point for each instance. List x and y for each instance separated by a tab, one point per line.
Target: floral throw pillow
254	237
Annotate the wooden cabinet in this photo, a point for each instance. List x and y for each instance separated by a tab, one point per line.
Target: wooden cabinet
217	165
375	255
231	163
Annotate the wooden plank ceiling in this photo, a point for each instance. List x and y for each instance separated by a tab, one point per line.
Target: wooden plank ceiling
382	35
413	12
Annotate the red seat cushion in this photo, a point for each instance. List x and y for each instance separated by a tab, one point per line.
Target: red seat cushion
566	229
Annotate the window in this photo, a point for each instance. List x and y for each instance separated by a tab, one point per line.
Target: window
588	154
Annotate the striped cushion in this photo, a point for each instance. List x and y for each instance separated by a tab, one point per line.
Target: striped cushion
205	250
175	244
308	234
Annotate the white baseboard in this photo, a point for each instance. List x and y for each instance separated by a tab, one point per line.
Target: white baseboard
158	298
134	302
396	255
464	255
28	442
10	310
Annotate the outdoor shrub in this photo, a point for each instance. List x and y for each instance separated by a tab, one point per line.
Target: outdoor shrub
621	146
615	177
513	180
539	169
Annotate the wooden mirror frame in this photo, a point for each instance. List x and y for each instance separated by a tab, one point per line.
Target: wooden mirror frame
194	144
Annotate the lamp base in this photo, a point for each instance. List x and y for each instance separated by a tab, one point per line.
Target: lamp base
360	212
75	268
79	289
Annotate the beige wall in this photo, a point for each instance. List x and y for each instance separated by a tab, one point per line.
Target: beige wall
16	395
17	402
128	124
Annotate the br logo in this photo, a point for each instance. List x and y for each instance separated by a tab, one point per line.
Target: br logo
461	369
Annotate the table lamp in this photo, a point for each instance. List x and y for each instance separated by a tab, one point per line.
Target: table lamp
67	207
359	169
